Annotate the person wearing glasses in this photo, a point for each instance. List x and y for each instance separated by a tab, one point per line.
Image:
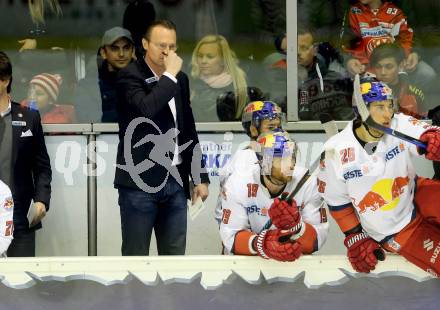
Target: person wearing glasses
157	143
323	86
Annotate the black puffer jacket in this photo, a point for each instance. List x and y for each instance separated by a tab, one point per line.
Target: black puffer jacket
324	91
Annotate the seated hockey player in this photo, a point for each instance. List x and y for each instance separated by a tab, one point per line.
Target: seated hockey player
261	116
258	219
371	188
258	117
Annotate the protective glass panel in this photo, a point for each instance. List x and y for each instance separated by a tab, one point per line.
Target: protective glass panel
394	41
65	65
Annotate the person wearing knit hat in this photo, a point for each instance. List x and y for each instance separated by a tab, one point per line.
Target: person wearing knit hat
44	89
47	87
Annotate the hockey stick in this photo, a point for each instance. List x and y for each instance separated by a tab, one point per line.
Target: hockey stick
330	128
366	117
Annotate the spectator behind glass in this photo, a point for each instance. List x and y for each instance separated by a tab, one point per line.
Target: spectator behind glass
320	89
374	22
115	53
215	74
387	62
275	73
37	10
43	94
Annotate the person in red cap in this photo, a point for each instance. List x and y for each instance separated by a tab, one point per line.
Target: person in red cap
43	94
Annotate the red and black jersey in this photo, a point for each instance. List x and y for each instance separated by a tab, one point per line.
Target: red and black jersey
374	27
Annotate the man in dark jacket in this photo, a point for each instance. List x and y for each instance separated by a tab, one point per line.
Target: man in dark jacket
322	88
115	53
158	147
24	165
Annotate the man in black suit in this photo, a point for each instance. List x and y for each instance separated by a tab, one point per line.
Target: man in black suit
24	164
158	147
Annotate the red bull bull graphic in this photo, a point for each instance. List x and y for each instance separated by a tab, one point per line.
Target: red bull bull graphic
398	185
384	195
9	203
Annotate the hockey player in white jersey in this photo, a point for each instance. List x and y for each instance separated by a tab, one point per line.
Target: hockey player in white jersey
258	117
371	188
255	194
6	218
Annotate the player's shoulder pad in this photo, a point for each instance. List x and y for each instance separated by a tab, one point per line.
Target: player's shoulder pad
402	120
242	157
244	161
4	189
338	138
235	187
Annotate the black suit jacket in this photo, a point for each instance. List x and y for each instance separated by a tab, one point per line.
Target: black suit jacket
141	95
31	172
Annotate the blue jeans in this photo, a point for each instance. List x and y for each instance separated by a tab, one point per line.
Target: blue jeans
165	211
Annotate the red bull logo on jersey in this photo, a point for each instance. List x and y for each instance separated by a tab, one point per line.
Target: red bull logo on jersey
9	203
384	195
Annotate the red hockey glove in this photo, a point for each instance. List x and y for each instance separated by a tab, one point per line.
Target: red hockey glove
267	245
432	139
363	252
284	214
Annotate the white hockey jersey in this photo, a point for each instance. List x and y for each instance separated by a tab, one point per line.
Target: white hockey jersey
6	218
241	161
380	185
245	201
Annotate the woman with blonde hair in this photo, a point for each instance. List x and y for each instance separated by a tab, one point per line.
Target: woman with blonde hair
217	80
37	9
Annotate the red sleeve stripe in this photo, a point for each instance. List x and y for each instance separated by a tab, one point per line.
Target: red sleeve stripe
346	218
308	240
